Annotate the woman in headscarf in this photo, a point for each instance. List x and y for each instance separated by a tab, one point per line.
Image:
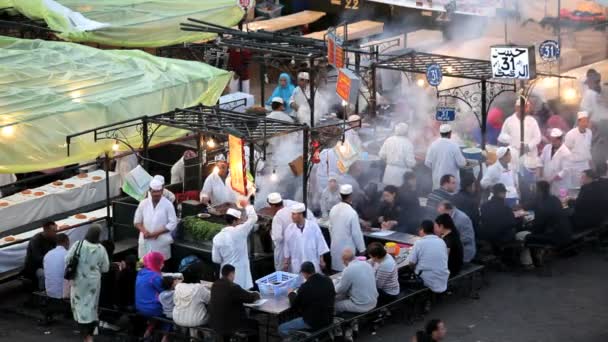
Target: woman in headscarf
148	286
84	293
283	90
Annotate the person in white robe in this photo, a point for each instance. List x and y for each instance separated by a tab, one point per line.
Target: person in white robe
304	241
215	189
166	193
444	157
6	179
511	136
300	100
398	154
278	111
352	135
556	164
591	101
281	220
230	245
502	172
345	229
578	140
178	169
155	219
125	164
330	196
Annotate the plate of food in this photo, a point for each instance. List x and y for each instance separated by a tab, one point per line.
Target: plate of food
9	238
4	204
57	183
80	216
38	193
26	192
97	178
69	186
204	215
82	175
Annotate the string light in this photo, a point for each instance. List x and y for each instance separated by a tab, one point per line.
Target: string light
274	177
570	94
342	147
344	103
115	146
293	61
420	82
211	143
8	131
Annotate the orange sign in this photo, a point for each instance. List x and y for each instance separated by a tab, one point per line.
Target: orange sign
343	86
339	56
331	45
238	174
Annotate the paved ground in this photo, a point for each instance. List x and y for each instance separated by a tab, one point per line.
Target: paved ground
571	306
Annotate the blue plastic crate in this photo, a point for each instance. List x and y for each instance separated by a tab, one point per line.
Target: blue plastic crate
278	283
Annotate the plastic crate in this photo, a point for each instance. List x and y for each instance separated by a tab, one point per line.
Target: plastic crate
278	283
268	9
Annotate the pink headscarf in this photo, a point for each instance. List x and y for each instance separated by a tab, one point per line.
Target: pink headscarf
496	117
154	261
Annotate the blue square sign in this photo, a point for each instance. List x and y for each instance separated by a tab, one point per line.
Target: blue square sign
445	114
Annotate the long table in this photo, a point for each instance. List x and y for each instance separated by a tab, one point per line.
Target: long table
55	198
393	236
12	257
286	21
358	30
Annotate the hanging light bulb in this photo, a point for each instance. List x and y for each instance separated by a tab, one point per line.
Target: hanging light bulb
274	177
420	82
115	146
293	61
570	94
211	143
7	131
342	147
344	103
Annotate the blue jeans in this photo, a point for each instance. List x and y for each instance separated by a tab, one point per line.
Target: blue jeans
290	326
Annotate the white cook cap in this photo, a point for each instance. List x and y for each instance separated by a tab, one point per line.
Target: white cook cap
354	117
298	208
346	189
160	179
274	198
501	151
219	157
278	100
304	76
401	128
445	128
234	213
582	114
156	184
556	133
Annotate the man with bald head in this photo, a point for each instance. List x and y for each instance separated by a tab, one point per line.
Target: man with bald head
356	291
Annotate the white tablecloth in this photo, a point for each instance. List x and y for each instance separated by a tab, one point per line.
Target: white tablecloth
23	209
13	257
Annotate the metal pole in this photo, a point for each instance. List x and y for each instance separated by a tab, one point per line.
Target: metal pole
559	44
305	166
311	101
145	142
372	91
251	167
357	70
106	163
262	84
522	115
484	113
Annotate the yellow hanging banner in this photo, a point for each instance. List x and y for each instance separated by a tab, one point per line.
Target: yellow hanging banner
238	174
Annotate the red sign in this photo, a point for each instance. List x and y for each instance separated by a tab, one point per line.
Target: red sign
331	46
343	86
339	55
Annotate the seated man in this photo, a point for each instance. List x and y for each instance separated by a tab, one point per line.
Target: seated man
445	228
588	213
39	245
356	291
226	311
314	300
429	256
498	223
54	269
445	192
465	229
387	275
389	212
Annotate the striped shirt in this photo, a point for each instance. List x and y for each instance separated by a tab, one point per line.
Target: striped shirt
387	278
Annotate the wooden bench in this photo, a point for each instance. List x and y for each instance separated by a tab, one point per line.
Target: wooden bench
468	275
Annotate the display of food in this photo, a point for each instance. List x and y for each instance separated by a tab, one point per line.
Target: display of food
9	238
3	204
26	192
69	186
80	216
96	178
82	175
38	193
196	229
58	183
220	209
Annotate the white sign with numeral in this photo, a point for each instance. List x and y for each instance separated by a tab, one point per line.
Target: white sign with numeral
513	62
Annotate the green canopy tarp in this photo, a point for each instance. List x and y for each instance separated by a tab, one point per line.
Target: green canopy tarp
128	23
49	90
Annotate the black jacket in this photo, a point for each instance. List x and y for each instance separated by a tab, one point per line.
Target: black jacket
551	220
468	204
226	312
315	301
498	224
588	209
36	250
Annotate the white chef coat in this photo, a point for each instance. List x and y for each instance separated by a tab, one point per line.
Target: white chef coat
125	164
345	233
580	145
177	171
155	219
300	97
280	115
304	245
444	158
230	247
328	164
532	137
558	165
217	190
495	174
398	153
593	103
6	179
328	200
280	222
54	269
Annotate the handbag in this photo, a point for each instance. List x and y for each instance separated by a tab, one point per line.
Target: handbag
72	266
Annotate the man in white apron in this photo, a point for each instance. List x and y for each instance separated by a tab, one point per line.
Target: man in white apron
215	190
556	164
345	229
155	219
502	172
300	99
230	244
304	241
444	157
578	140
511	135
398	154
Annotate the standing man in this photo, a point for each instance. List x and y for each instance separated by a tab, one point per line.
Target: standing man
215	191
155	219
37	248
300	99
444	157
230	244
578	140
556	163
398	154
345	228
330	196
501	173
511	136
303	241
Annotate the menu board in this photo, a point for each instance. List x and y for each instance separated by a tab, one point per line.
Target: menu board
348	85
513	62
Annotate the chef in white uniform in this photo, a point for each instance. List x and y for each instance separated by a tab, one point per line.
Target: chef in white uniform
398	154
300	99
166	193
281	211
556	163
578	140
125	164
511	136
230	244
155	219
304	241
215	189
444	157
178	169
345	230
591	101
502	172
